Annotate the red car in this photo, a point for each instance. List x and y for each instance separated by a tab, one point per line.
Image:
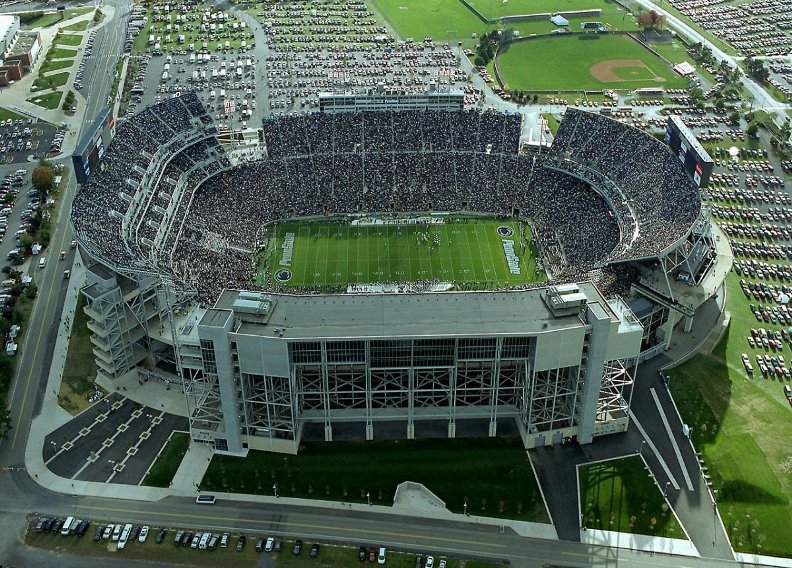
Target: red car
372	554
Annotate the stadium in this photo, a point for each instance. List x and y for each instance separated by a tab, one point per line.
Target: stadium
390	273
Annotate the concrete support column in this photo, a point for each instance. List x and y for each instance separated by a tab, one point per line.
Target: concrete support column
410	431
452	429
688	324
493	428
328	433
369	431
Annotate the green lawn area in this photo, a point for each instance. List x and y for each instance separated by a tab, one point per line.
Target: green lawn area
162	472
492	474
464	251
61	53
68	39
49	101
79	371
740	425
619	495
552	122
50	18
54	80
565	63
77	26
5	114
52	65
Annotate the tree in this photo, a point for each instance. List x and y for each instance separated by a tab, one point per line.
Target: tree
734	117
752	130
651	20
97	16
756	69
43	179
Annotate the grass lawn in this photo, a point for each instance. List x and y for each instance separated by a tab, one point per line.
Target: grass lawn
5	114
79	371
52	65
50	18
492	474
435	18
77	26
61	53
49	101
162	472
619	495
552	122
565	63
55	80
739	425
68	39
326	254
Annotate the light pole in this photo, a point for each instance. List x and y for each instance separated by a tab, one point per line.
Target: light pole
665	491
275	489
465	508
640	448
368	498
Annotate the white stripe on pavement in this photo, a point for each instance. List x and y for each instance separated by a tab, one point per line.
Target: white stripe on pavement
673	440
654	449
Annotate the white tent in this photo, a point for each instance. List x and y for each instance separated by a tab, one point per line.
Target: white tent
559	20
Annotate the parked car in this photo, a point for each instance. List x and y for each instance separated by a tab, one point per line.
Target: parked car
298	545
314	550
241	543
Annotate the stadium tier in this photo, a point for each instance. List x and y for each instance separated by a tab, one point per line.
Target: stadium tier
173	226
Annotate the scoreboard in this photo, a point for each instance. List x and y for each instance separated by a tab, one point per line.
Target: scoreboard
694	158
92	146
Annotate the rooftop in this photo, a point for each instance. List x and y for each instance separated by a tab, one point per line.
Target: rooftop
408	315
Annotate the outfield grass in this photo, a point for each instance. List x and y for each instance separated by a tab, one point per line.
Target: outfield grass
55	80
461	251
72	40
619	495
492	474
61	53
49	101
741	425
51	65
165	467
524	65
79	371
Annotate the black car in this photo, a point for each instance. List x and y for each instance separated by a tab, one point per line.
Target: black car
135	532
314	551
259	544
57	526
187	538
42	522
298	544
98	533
161	535
362	554
419	561
82	528
241	543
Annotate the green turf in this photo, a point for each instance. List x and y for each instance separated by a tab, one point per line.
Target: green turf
619	495
77	26
69	39
55	80
49	101
493	474
79	370
52	65
524	65
51	18
740	425
162	472
5	114
61	53
467	252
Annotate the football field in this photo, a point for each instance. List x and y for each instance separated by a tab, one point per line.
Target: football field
470	253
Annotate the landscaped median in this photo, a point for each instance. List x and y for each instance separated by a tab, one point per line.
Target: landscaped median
167	463
618	495
492	475
50	100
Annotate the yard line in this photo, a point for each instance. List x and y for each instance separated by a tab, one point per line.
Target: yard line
492	255
470	252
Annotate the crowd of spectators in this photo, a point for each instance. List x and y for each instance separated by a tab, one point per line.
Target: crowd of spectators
204	220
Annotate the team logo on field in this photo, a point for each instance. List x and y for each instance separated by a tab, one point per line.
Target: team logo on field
283	275
505	231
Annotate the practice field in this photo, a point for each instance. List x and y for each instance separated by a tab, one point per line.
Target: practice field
470	252
576	63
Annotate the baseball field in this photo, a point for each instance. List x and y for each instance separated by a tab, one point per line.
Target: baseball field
470	252
578	62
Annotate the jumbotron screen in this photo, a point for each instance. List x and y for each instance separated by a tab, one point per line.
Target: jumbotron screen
695	159
92	146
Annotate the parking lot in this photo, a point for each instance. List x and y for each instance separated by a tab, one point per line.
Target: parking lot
26	139
115	441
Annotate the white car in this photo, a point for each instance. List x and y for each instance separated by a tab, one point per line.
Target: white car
429	562
270	544
143	534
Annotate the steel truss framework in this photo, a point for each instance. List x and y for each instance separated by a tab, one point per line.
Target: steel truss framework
615	392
